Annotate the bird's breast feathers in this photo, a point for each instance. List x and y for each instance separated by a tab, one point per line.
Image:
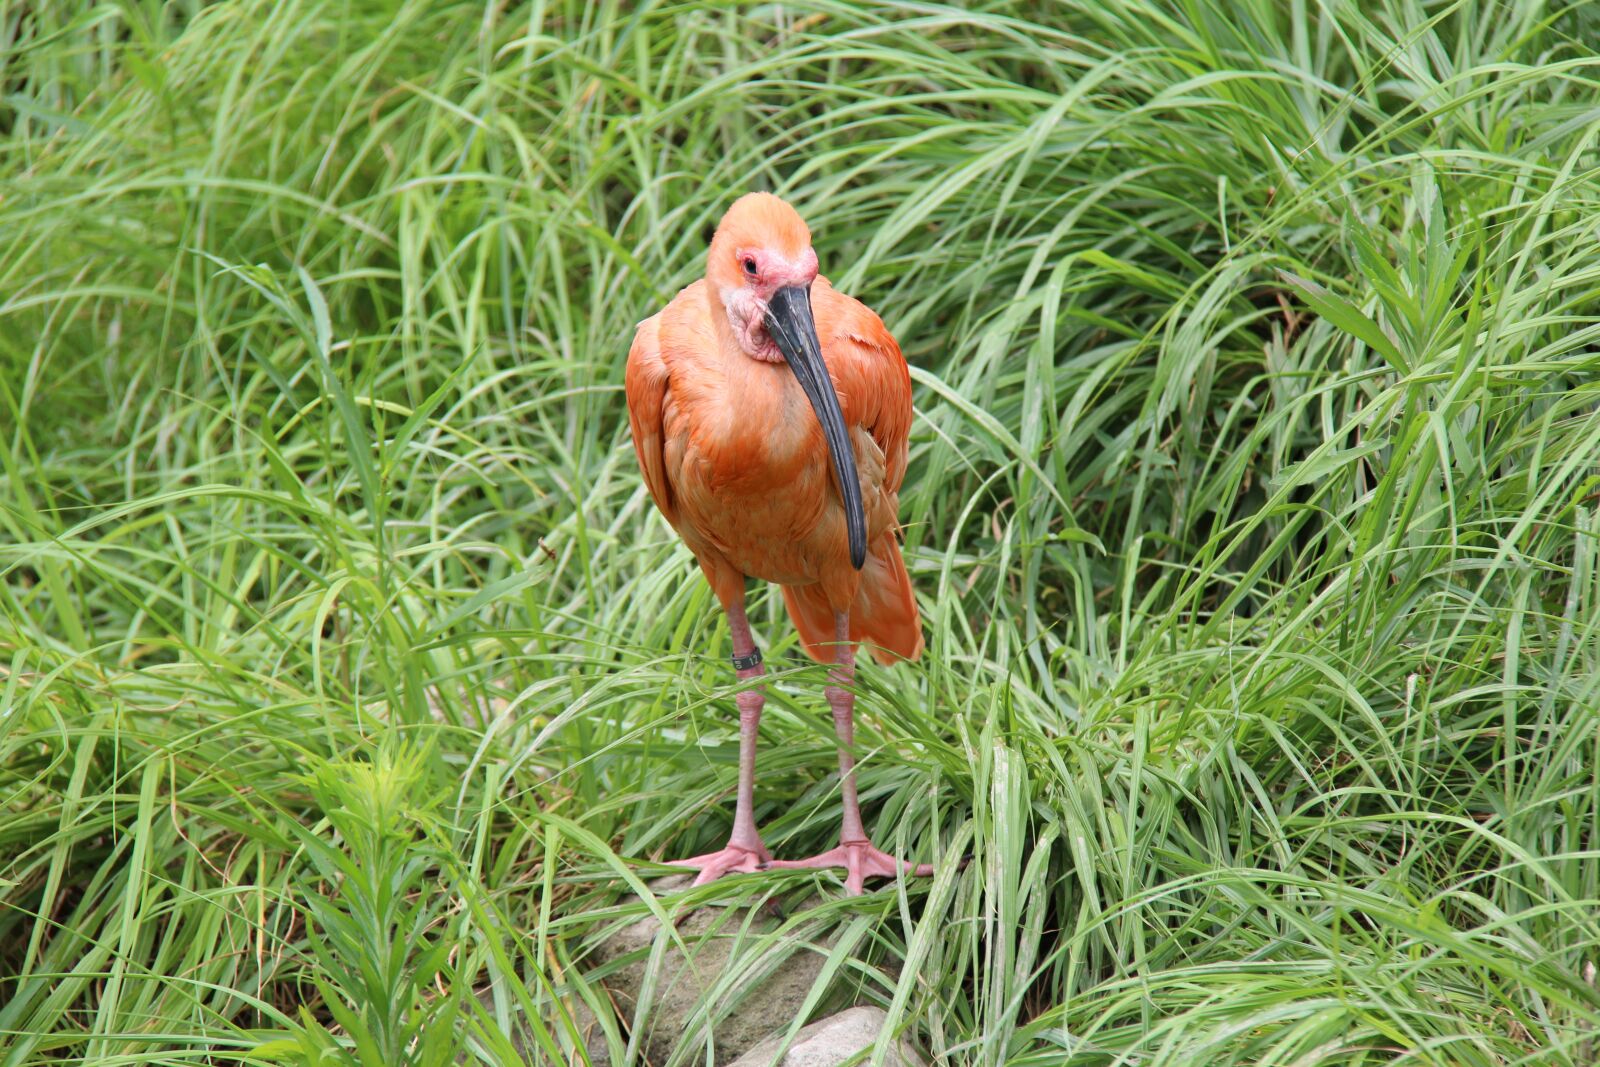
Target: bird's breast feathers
746	465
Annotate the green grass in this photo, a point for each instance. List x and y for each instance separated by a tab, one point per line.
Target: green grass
347	672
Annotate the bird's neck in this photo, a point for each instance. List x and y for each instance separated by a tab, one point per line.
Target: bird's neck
758	400
727	337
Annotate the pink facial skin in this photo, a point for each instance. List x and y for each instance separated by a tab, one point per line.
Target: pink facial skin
747	304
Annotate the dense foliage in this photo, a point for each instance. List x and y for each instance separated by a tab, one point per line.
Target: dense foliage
349	682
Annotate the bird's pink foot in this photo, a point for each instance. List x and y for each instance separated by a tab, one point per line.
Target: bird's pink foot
714	865
861	860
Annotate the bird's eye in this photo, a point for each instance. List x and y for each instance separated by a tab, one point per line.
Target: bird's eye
750	266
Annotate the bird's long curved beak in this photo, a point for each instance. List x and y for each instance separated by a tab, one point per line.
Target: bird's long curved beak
790	323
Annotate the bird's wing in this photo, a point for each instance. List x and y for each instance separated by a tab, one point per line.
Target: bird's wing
646	386
871	375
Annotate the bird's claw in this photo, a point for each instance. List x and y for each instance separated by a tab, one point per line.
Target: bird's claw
713	865
861	860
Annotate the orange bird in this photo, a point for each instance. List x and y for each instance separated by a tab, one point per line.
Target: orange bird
770	413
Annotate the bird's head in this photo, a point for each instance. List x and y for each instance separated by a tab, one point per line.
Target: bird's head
761	249
760	271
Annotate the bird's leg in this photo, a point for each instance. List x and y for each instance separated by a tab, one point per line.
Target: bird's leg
744	851
856	854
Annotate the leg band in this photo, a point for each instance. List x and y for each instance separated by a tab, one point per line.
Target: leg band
744	663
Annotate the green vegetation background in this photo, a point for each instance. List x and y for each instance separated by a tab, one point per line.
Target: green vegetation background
346	671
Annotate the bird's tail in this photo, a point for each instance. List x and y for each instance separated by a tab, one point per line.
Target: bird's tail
884	613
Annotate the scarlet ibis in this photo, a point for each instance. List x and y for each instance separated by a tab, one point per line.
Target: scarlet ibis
770	414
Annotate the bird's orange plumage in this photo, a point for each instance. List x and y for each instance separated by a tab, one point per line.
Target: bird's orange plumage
734	457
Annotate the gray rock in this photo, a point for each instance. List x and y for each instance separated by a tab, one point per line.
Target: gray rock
590	1035
594	1038
833	1041
750	992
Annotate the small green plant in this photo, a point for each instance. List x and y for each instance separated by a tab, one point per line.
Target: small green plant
375	917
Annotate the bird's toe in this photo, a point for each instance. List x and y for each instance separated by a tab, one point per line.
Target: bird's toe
730	860
861	860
